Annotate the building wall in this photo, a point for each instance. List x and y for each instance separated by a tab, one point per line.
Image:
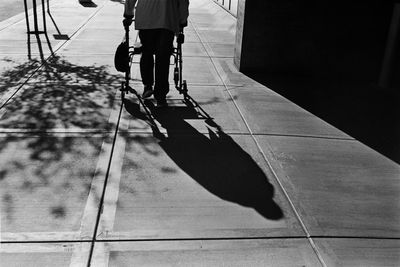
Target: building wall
320	38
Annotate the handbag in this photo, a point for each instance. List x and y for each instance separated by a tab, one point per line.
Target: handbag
121	58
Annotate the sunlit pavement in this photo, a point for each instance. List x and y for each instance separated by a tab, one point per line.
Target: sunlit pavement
245	179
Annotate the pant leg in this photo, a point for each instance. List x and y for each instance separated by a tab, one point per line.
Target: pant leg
146	59
163	51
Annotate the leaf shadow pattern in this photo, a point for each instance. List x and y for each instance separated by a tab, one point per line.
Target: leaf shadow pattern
53	129
216	162
62	95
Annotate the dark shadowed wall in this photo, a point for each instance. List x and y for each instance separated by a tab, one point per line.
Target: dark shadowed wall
344	39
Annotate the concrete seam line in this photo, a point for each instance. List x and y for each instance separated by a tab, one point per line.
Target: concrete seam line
318	254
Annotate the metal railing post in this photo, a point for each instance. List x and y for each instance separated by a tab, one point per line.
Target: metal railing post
35	18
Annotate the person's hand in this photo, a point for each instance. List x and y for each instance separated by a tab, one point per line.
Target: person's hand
127	20
183	24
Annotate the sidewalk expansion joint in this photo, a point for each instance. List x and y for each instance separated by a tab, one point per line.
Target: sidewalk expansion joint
306	136
101	204
47	241
355	237
201	239
291	203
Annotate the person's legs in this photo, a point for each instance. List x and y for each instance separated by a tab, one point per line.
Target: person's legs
163	51
146	59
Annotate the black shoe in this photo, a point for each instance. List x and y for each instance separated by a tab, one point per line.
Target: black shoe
162	103
148	91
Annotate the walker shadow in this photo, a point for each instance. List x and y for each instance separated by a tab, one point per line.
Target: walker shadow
216	161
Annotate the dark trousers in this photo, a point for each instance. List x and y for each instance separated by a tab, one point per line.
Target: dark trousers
158	42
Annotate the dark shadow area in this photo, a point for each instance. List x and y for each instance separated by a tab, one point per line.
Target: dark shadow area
86	3
215	161
63	95
59	35
329	58
364	111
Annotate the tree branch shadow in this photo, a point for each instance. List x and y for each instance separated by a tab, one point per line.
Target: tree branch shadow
45	153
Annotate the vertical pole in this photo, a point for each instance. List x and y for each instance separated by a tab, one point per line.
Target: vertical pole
128	73
35	17
44	16
27	29
180	66
392	43
26	17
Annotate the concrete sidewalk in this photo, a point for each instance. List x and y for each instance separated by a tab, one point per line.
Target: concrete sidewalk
84	179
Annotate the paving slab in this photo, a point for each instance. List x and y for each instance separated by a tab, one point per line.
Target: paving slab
16	69
194	186
61	107
95	67
190	36
194	50
42	254
100	35
296	252
33	47
46	185
58	22
16	40
215	36
225	23
210	23
21	53
220	196
7	91
220	50
45	101
266	112
208	15
88	47
359	252
339	188
231	76
199	71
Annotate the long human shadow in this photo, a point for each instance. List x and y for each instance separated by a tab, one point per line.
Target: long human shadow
215	161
